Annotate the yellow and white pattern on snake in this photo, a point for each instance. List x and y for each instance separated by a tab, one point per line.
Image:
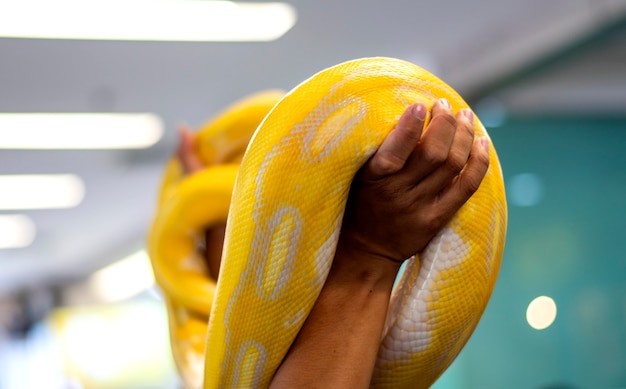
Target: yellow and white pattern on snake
285	218
187	205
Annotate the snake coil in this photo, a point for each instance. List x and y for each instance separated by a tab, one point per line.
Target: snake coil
284	218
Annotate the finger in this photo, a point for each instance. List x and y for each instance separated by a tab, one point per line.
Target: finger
397	147
185	151
432	150
468	181
457	157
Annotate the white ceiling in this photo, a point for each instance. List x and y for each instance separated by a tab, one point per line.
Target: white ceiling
475	46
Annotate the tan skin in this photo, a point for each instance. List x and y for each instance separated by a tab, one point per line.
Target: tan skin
407	191
214	238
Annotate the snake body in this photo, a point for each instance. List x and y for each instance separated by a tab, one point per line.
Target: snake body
187	205
284	220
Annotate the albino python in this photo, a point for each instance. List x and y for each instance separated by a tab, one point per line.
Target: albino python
284	218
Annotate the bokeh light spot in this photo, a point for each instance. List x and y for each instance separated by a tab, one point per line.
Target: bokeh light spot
541	312
525	190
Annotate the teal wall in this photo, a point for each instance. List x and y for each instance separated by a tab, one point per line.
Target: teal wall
566	189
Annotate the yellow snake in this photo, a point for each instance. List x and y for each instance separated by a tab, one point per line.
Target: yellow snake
283	222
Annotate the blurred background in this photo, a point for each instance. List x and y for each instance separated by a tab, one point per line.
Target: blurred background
78	306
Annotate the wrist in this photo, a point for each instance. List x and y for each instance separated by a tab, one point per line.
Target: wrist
354	263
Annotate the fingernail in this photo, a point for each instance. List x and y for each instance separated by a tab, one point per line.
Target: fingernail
445	103
468	114
419	111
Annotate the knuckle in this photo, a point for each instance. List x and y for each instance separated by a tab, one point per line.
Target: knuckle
484	160
409	133
467	128
480	163
387	163
392	197
456	161
471	178
470	183
435	220
444	118
434	156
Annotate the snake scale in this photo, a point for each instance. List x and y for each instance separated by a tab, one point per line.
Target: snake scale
283	220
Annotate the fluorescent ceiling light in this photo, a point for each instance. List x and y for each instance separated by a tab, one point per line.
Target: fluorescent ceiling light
40	191
123	279
79	130
16	231
145	20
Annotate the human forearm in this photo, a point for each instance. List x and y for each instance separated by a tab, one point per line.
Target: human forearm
339	339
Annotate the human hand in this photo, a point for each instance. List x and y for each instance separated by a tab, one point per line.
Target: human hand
414	183
214	236
185	151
